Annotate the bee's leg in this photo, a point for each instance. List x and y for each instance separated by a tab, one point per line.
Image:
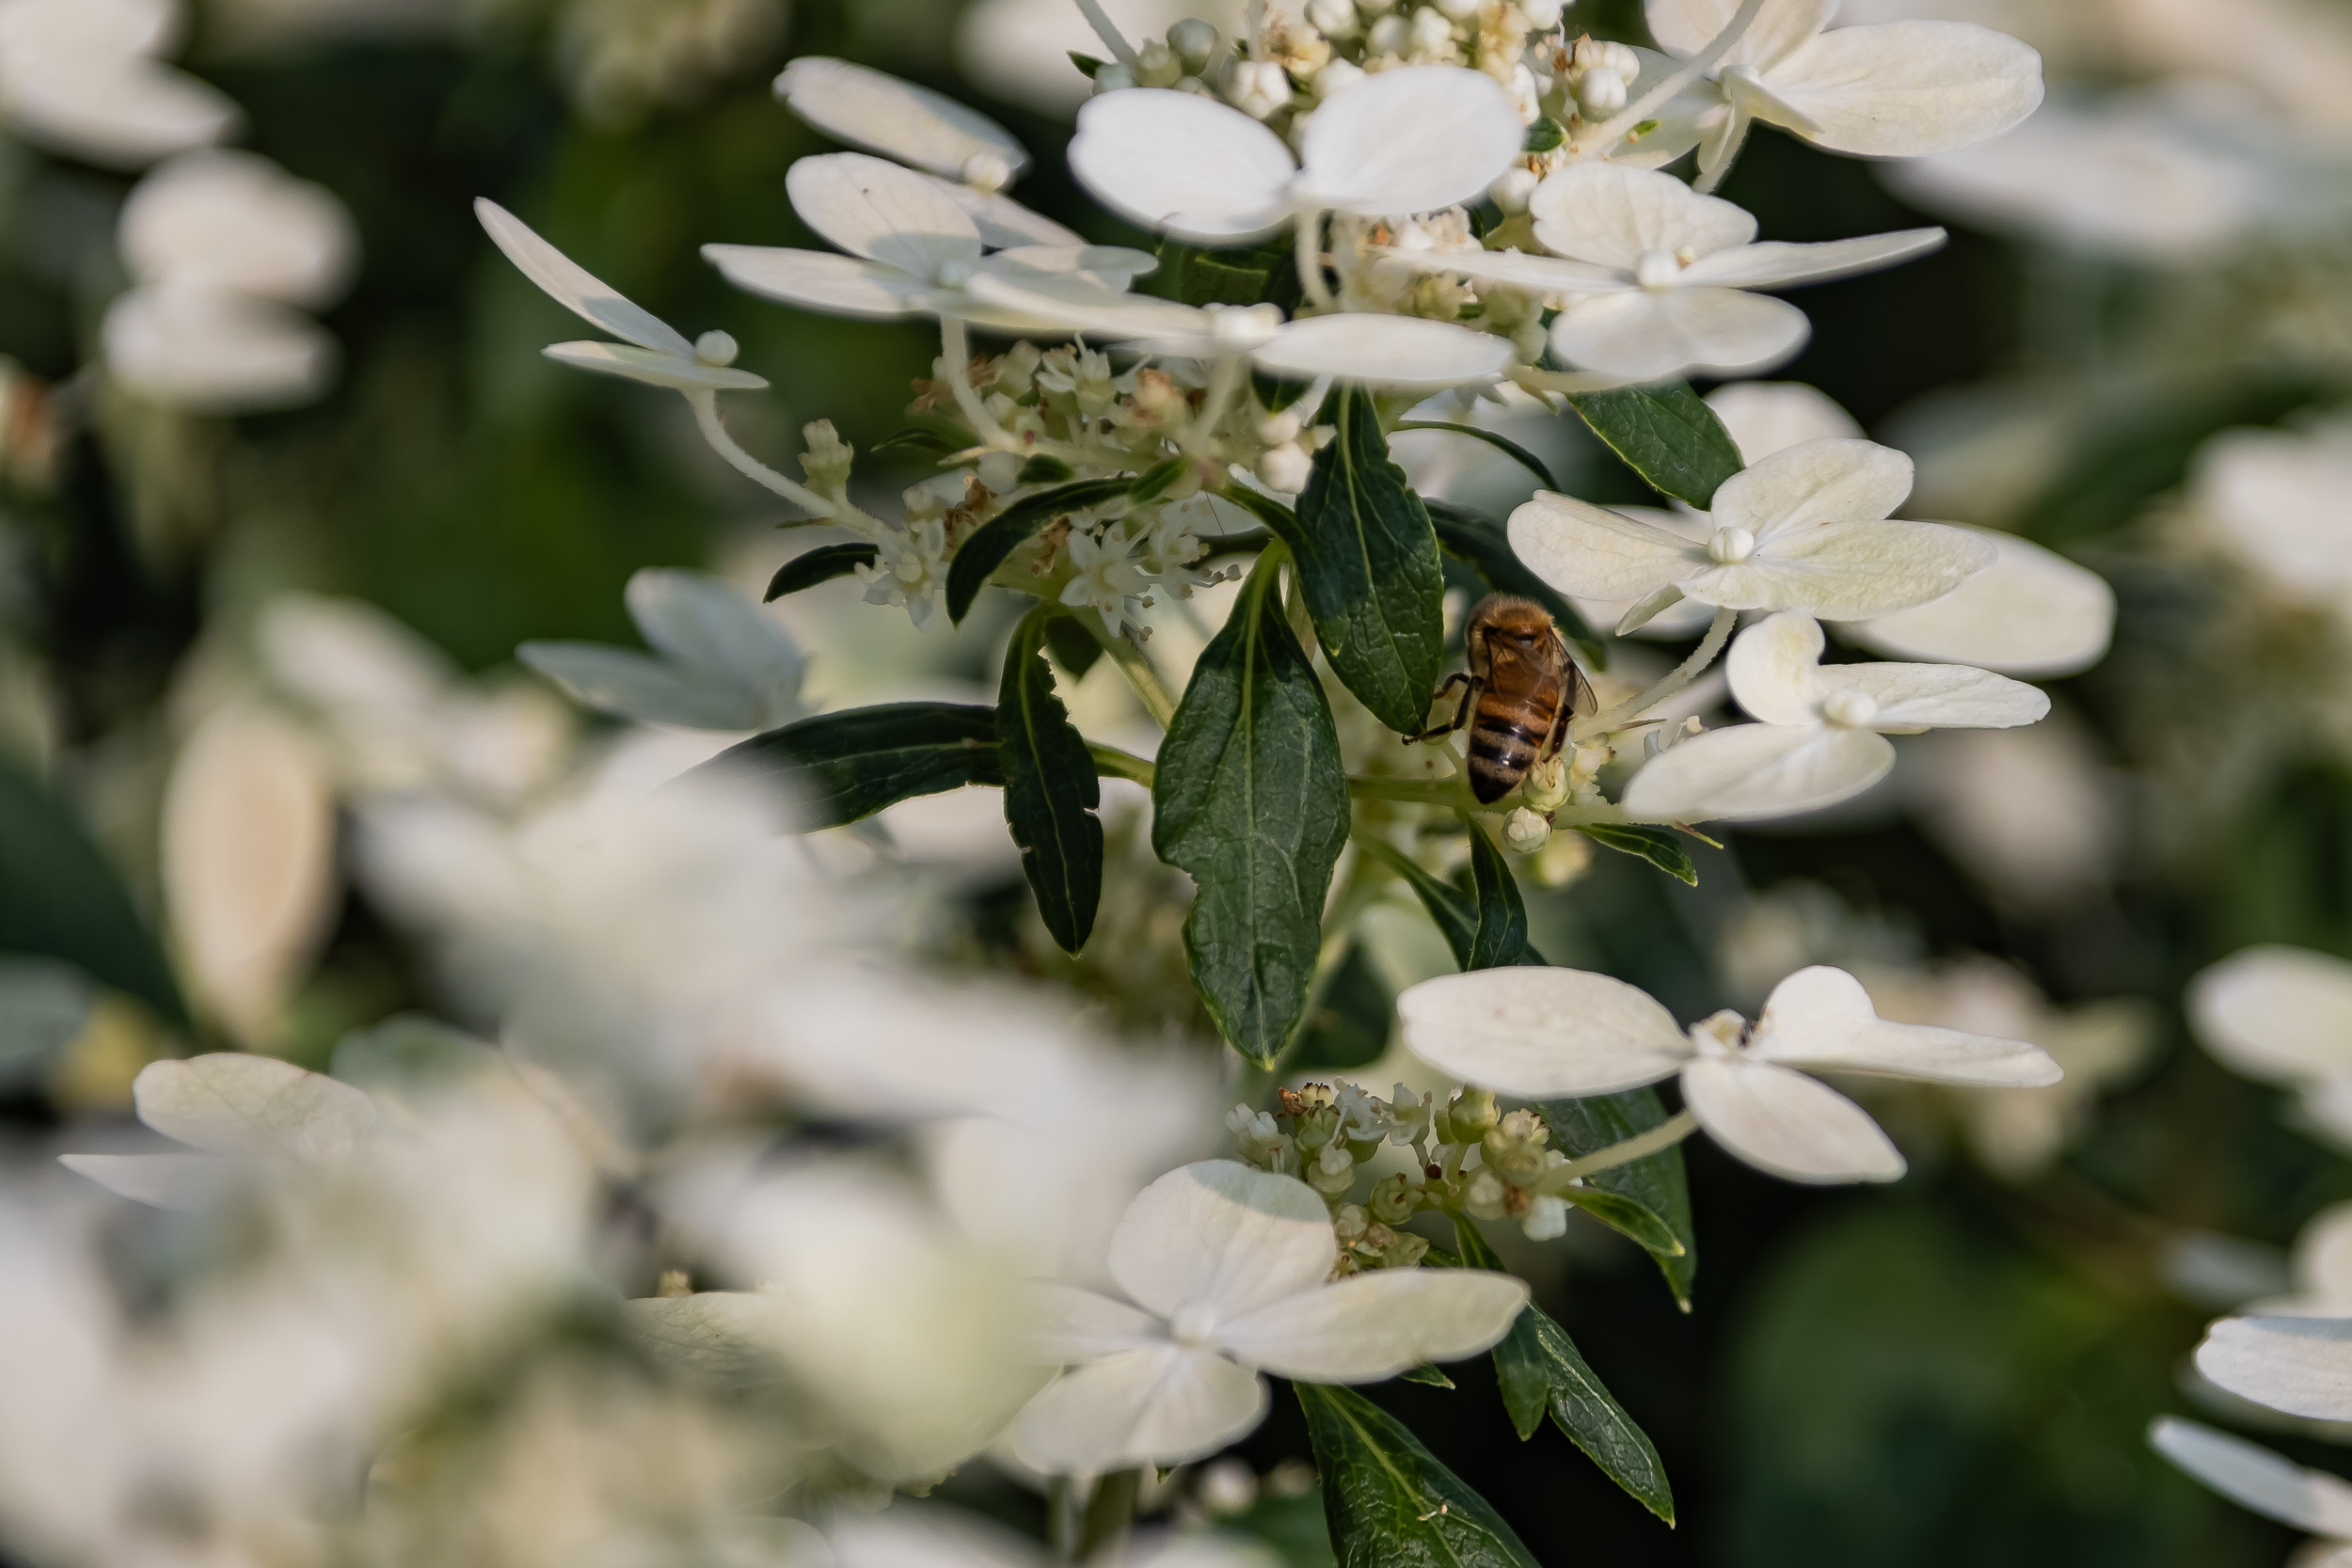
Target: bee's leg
1559	736
1471	685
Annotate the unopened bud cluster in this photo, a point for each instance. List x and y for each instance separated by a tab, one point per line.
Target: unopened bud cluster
1468	1157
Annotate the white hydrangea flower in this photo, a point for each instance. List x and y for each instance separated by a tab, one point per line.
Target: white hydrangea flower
1406	140
1542	1032
1228	1270
209	351
2283	1014
2302	1365
1109	578
1803	529
83	76
719	662
239	1113
2276	498
1821	737
1890	90
912	250
2255	1477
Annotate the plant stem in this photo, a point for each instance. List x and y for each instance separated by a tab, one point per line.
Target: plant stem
1141	677
1718	632
1108	1513
705	402
1099	21
1119	764
1664	1135
1310	261
1606	134
1225	373
955	347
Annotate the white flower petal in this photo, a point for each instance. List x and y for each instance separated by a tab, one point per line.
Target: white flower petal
1940	696
229	1103
1158	1406
1813	484
1220	1233
235	221
181	1183
636	686
1821	1017
897	119
1108	266
2279	1014
1068	1324
1405	352
1518	269
1410	139
1847	571
1901	89
875	209
2032	613
1783	26
1613	215
1757	770
2302	1365
1003	222
1775	263
1183	165
1788	1124
1541	1030
209	351
1644	335
2252	1476
705	620
1765	415
1375	1325
1773	666
1075	302
123	111
651	366
572	286
819	280
1592	552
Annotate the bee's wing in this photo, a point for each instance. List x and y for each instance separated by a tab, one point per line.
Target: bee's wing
1583	702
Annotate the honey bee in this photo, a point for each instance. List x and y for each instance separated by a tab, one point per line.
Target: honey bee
1523	689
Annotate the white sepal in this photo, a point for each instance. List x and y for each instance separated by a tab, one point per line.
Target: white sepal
2279	1014
2253	1476
1220	1233
1542	1031
1375	1325
1781	1121
1820	1019
1410	139
1757	770
572	286
228	1103
2302	1365
2032	613
898	119
1183	165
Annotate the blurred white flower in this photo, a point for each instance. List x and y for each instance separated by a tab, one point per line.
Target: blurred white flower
1228	1269
622	58
1803	529
1549	1032
2320	1269
1890	89
2283	1014
2027	810
1408	141
719	663
1821	739
1018	50
248	863
2302	1365
211	352
241	1111
976	156
2296	54
1763	417
2281	500
83	76
2255	1477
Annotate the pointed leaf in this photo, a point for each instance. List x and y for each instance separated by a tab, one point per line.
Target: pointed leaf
1427	1375
1540	1369
1501	937
1660	846
1469	537
1656	1181
1349	1027
1051	792
1628	1218
1073	647
841	767
1496	439
1250	797
1390	1504
997	538
822	565
61	898
1666	433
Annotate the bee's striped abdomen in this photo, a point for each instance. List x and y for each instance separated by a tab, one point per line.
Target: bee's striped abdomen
1502	749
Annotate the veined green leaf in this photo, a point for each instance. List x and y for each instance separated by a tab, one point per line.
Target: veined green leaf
1660	846
61	898
821	564
1666	433
1656	1181
1368	566
1390	1504
838	768
1250	797
1501	442
992	541
1157	480
1501	939
1469	537
1051	792
1628	1218
1540	1370
1045	468
1232	275
1073	647
1426	1374
917	441
1349	1026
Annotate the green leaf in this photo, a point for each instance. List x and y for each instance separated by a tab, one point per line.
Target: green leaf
1368	566
1453	910
1087	64
61	898
1043	469
1275	393
1467	537
1666	433
1656	1181
1426	1374
992	541
917	441
1232	275
1050	789
1501	442
1073	647
838	768
1157	480
1545	135
1250	797
1628	1218
1660	846
1501	939
822	565
1390	1504
1540	1370
1349	1026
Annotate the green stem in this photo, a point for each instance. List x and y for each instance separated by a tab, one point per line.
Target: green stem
1356	896
1108	1513
1717	633
1141	678
1310	253
1606	134
1664	1135
1113	763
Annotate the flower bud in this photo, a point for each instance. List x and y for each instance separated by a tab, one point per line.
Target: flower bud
1599	93
1226	1488
1851	708
1332	78
1317	1128
1286	469
715	348
1525	831
1460	10
1404	1250
1486	1196
1389	36
1547	1217
1349	1222
827	460
1279	429
1542	15
1473	1111
1333	1171
986	172
1513	188
1258	89
1156	65
1113	77
1392	1199
1194	40
1334	19
1431	31
1000	471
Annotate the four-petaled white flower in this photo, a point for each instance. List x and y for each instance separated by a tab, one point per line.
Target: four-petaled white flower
1406	140
1548	1031
914	251
1803	529
1890	90
2283	1014
1656	275
1823	736
910	569
654	352
1228	1270
2268	1484
1108	578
